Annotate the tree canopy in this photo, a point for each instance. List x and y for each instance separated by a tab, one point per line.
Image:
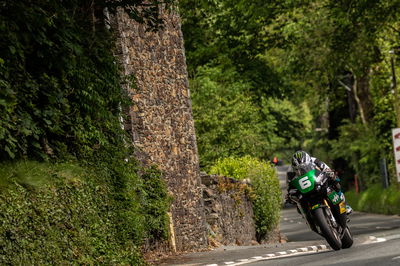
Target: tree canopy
316	74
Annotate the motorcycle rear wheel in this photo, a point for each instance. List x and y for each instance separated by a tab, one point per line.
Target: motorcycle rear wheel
330	233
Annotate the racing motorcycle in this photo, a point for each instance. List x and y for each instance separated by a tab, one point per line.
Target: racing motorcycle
320	205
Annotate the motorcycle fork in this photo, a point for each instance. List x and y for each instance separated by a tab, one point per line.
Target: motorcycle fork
341	217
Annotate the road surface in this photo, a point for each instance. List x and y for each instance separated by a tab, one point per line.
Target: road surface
376	242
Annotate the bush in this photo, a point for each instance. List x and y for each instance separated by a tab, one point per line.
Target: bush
376	200
265	184
62	213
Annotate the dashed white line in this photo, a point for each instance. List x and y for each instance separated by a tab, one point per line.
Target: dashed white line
288	253
313	248
299	251
302	249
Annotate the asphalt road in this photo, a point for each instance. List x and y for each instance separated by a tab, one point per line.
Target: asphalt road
376	242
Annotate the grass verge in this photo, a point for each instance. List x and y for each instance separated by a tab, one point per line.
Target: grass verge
376	200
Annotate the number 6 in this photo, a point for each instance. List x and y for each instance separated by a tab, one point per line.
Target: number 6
304	182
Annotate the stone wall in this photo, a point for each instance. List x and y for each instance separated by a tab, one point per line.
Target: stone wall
229	212
160	120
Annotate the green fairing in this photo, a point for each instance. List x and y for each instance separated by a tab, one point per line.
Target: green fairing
304	183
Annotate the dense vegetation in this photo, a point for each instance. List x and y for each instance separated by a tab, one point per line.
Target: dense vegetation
62	213
266	194
271	77
375	200
70	190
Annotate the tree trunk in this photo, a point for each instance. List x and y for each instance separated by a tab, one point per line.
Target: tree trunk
362	95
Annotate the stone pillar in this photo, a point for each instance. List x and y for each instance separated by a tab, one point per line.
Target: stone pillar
161	119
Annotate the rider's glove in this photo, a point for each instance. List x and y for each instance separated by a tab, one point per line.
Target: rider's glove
331	175
334	181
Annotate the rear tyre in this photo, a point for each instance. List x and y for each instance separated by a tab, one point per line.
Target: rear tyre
347	239
330	233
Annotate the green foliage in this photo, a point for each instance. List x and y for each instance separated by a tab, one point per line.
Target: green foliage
58	213
287	125
155	202
265	184
376	200
291	54
360	146
61	99
60	87
229	123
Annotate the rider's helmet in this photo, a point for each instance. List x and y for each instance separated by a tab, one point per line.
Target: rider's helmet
300	157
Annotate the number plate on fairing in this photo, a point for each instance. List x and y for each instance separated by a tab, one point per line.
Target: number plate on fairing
334	197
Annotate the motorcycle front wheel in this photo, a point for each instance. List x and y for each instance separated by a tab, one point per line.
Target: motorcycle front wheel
330	233
347	239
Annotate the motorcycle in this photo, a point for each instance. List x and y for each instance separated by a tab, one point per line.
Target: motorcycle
320	204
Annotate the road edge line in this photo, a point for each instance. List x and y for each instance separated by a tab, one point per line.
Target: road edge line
278	254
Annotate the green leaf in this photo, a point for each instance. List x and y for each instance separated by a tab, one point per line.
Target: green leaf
9	152
12	49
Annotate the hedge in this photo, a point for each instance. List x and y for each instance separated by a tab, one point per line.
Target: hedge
65	213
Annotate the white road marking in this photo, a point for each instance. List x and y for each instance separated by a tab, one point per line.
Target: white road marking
390	237
302	249
280	254
374	239
313	248
396	258
383	227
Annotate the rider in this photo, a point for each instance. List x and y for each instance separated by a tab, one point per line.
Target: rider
301	157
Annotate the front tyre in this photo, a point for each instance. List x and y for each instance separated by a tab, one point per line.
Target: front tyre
330	233
347	239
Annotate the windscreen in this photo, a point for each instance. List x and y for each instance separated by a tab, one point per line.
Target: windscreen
302	169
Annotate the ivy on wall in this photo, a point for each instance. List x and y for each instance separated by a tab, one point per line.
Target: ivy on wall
60	101
60	85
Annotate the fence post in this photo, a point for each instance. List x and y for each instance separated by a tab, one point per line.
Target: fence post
384	173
